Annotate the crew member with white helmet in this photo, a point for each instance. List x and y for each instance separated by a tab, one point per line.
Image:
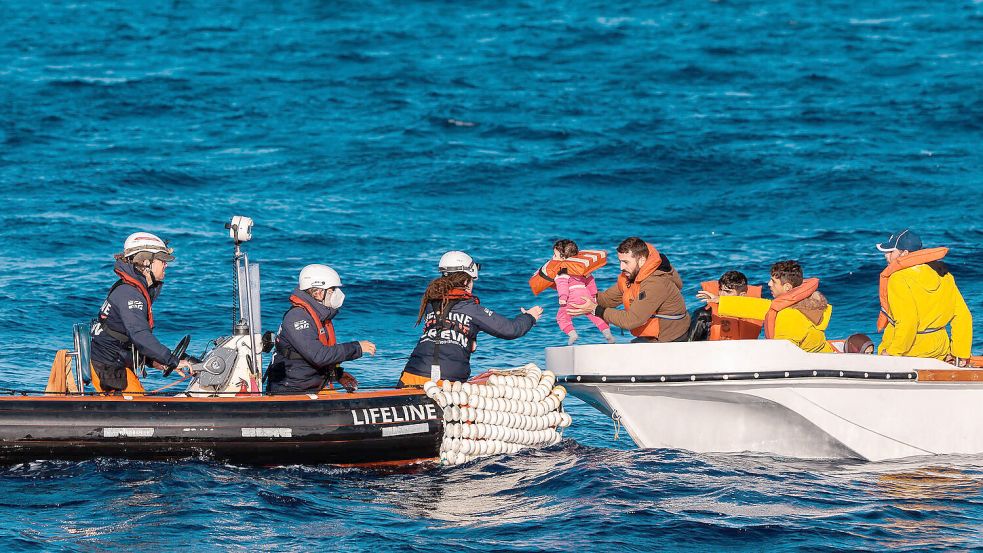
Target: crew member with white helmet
307	354
452	319
122	338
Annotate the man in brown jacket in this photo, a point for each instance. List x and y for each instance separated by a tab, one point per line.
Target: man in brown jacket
649	288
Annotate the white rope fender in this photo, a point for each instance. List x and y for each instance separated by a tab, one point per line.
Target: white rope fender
512	410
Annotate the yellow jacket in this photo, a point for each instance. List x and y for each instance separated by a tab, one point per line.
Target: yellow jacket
920	305
790	324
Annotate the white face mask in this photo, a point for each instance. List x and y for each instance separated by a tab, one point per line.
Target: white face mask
335	299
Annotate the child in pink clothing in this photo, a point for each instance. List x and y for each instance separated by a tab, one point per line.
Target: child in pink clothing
573	289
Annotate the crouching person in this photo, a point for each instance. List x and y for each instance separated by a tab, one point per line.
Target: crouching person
308	356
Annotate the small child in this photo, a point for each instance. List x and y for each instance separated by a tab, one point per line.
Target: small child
573	289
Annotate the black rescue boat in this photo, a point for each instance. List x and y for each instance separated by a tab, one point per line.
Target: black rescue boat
362	428
223	414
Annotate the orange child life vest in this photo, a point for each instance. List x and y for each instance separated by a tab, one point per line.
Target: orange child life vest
731	328
786	300
582	264
919	257
325	330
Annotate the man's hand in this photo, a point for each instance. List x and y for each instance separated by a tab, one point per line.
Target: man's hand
367	347
958	362
707	297
585	308
348	381
181	366
536	311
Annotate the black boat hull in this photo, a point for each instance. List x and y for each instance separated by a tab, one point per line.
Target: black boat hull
374	428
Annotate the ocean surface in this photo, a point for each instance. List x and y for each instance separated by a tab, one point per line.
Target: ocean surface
373	136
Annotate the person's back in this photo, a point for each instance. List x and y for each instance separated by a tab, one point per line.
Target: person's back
452	317
919	299
923	302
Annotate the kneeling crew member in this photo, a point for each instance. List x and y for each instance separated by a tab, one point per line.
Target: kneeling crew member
308	356
799	312
122	338
452	319
919	298
650	290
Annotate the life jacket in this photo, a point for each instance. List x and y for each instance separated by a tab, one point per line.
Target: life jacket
630	291
731	328
919	257
582	264
786	300
442	323
125	278
325	330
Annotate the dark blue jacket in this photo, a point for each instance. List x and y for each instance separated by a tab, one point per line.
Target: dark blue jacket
302	363
465	320
125	315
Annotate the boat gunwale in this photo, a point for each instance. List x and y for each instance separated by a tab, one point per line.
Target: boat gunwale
33	395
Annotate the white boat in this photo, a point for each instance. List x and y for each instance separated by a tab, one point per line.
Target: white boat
771	397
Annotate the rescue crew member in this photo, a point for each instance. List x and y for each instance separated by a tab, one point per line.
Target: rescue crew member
308	356
731	283
452	318
122	337
799	313
649	288
919	298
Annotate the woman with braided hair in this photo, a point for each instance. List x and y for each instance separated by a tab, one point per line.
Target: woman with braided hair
452	318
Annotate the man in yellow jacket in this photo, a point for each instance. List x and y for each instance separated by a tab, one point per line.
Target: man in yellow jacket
802	323
919	298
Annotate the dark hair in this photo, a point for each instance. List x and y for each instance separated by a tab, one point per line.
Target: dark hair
634	245
735	280
439	288
788	272
567	248
139	259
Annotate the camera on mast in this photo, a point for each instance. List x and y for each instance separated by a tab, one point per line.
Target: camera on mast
240	229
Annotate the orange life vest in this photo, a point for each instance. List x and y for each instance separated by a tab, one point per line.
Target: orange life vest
786	300
919	257
629	293
582	264
731	328
325	330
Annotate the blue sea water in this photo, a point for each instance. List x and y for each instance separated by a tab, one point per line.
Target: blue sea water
373	136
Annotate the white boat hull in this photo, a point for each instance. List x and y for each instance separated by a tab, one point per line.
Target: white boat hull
771	397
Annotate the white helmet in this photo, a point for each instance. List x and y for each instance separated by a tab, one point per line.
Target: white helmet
458	262
146	242
318	276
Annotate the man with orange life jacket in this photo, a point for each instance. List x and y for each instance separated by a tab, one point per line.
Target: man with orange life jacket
731	283
122	337
649	289
308	356
919	298
799	313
